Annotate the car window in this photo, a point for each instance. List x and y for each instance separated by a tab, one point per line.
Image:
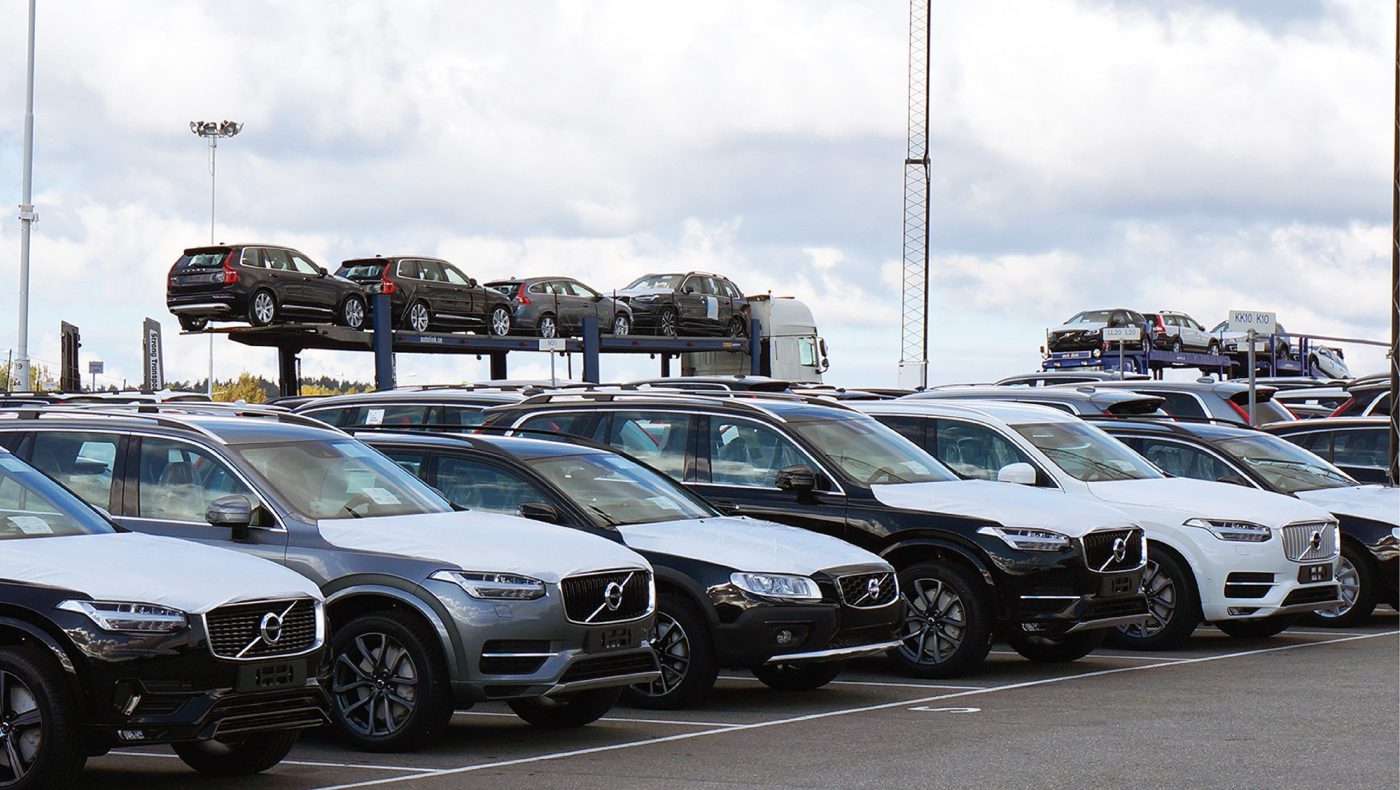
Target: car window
453	276
974	451
462	415
551	425
361	270
303	265
1367	447
730	289
911	428
1318	443
1091	317
1183	460
619	491
338	478
1120	318
1287	467
1380	405
252	257
658	439
32	506
485	486
410	461
870	453
744	453
1180	404
81	461
277	260
1086	452
339	416
1064	407
409	269
659	281
179	480
204	259
408	415
431	271
695	284
582	290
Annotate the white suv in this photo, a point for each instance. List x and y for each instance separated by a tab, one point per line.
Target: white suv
1243	560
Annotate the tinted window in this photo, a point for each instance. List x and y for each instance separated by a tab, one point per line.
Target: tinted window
656	439
339	416
1091	317
1318	443
303	265
31	506
361	270
744	453
730	289
483	486
974	451
410	461
81	461
553	424
869	452
1287	467
408	269
1181	404
208	259
911	428
178	481
1085	452
462	415
1367	447
431	271
252	257
1183	460
277	260
657	281
1064	407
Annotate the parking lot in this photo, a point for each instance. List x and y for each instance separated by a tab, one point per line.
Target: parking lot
1309	708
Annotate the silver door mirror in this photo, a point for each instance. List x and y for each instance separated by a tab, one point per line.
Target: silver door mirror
1019	473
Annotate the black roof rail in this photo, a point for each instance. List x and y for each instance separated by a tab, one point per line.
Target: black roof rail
1167	418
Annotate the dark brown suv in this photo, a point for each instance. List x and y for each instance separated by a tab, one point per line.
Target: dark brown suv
260	284
430	294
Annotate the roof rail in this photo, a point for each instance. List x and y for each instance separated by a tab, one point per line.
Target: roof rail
107	411
1166	418
208	409
737	398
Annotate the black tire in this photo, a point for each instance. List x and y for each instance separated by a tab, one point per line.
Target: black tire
668	323
621	325
1262	628
798	677
370	653
1356	575
566	711
1213	348
498	321
948	626
547	326
418	317
262	307
1176	344
40	717
686	655
353	312
1172	600
245	756
191	323
737	327
1055	650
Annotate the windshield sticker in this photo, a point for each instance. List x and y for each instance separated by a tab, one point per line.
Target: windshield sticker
374	417
31	525
381	496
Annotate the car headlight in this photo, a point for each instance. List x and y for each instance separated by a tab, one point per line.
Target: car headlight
1236	531
1028	539
494	586
772	585
129	616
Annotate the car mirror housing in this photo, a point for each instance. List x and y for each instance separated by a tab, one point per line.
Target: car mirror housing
234	512
471	282
798	477
1019	473
321	271
538	511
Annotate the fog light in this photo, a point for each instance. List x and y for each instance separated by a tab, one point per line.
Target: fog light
1240	611
783	637
131	735
789	635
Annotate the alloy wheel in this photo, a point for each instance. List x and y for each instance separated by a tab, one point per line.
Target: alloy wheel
263	307
375	685
672	646
20	725
500	322
1161	602
1349	580
354	313
547	327
935	623
621	326
418	317
668	323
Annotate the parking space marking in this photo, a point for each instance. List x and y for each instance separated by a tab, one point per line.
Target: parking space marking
615	718
845	712
866	683
1104	655
306	763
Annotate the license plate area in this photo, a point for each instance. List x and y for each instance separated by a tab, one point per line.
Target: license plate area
264	677
1122	584
1309	574
611	639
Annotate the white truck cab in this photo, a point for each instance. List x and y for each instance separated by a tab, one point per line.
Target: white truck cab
790	347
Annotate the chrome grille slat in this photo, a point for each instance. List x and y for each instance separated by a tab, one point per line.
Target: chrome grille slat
1098	550
234	630
855	589
585	596
1298	542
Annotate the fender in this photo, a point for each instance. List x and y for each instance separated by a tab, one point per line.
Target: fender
946	545
436	617
690	589
46	639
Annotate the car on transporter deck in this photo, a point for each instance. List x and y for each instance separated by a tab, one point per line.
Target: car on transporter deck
974	559
1245	561
431	295
111	638
1369	515
556	306
261	284
430	608
690	303
787	604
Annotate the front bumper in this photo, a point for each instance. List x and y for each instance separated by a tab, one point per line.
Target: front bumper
753	632
1255	580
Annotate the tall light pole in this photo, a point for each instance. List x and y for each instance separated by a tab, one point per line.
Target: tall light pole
20	370
212	131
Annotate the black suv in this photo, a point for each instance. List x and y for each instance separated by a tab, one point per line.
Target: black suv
260	284
787	604
556	306
109	638
428	294
972	556
1359	446
691	303
431	609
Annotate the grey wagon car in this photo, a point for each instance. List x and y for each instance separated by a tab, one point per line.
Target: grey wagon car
431	608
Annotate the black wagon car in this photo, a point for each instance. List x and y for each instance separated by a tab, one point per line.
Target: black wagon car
430	294
687	303
445	407
973	558
1369	566
110	638
788	604
556	306
260	284
1084	330
1359	446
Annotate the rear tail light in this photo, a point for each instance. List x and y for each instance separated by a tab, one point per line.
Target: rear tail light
1157	325
520	295
229	275
386	286
1244	415
1340	410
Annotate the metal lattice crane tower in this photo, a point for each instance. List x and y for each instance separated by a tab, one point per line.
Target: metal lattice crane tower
913	348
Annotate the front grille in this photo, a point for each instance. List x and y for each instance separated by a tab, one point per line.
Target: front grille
855	637
1308	542
609	666
1115	607
1101	550
237	631
1247	584
240	714
1324	594
857	590
610	597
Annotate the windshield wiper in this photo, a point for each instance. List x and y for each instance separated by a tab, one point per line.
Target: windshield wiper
352	513
603	514
1118	474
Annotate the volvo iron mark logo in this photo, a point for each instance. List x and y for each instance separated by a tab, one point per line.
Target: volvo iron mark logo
270	628
872	589
1315	541
1118	553
612	596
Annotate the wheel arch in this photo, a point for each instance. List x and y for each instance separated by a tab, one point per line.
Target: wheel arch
911	550
669	580
349	603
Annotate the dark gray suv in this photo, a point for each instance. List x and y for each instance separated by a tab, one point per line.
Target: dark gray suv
431	608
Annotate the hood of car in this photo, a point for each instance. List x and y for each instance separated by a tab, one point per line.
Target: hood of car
1007	504
130	566
1378	503
1090	326
1175	499
474	540
746	544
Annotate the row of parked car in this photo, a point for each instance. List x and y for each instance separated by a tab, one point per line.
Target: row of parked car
263	284
1175	331
377	561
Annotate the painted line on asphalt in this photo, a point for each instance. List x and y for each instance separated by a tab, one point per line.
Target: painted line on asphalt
830	714
615	718
1104	655
867	683
307	763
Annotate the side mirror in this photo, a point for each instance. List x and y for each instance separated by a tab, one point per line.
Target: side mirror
538	511
689	290
798	477
597	297
234	512
471	282
321	271
1019	473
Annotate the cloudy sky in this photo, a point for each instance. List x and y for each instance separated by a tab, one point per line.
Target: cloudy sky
1198	156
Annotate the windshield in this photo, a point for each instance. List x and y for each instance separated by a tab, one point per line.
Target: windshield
657	281
870	453
361	270
619	491
1286	467
1091	317
340	478
203	259
1086	453
33	506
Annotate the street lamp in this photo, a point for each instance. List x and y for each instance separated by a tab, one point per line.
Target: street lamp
212	131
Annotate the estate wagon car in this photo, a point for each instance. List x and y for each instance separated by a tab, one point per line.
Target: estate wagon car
260	284
429	607
691	303
1359	446
973	558
430	294
111	638
556	306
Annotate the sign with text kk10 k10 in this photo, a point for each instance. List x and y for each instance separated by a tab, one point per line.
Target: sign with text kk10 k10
1245	320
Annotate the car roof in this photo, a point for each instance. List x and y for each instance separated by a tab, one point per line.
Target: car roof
1219	387
224	424
786	409
431	394
1009	412
1203	429
1322	423
1078	393
515	446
